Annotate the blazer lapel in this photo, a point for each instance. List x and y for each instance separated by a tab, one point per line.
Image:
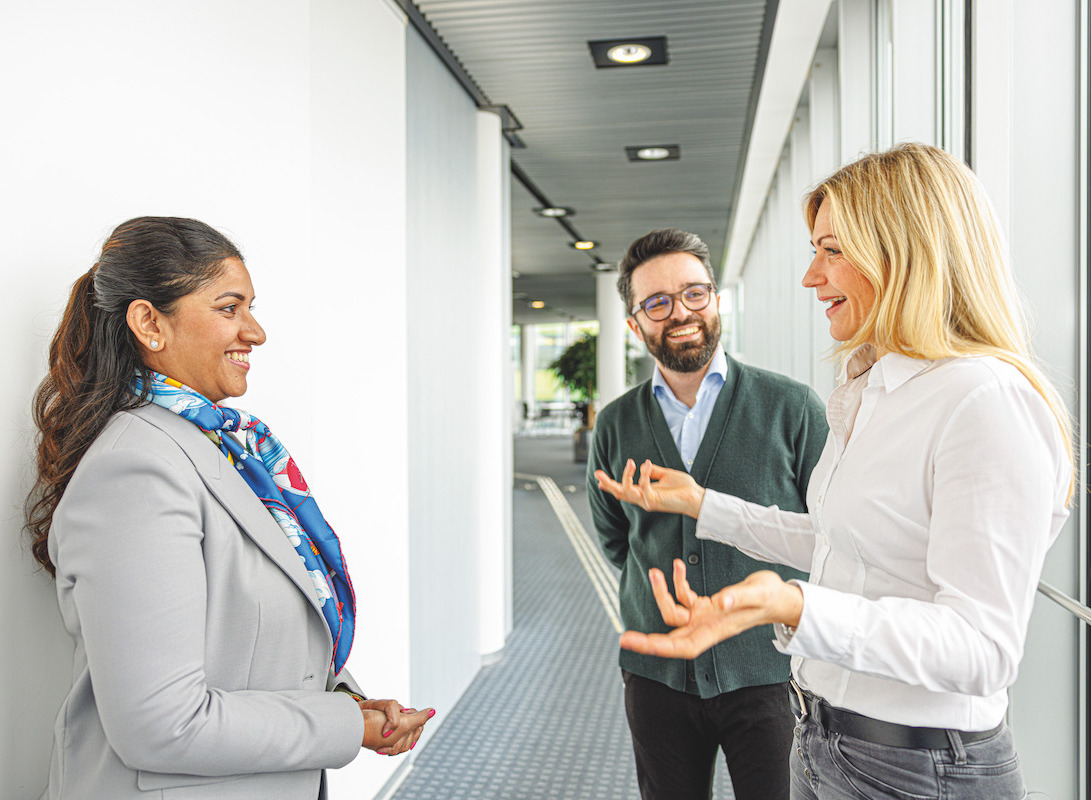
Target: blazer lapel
233	493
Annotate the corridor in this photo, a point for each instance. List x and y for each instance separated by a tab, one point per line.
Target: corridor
547	719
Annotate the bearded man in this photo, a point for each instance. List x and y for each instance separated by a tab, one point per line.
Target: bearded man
737	429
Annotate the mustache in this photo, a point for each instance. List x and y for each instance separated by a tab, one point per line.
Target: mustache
686	323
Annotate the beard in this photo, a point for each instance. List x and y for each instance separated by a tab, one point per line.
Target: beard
686	356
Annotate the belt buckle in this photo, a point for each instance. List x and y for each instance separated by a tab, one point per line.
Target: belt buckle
803	708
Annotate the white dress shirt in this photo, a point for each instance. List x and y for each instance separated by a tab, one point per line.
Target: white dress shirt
941	486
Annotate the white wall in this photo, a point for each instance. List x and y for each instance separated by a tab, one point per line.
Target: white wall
283	123
163	114
356	410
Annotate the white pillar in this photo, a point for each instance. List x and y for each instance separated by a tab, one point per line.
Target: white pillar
914	84
824	120
528	340
952	71
856	65
824	124
492	459
993	68
780	283
802	301
610	373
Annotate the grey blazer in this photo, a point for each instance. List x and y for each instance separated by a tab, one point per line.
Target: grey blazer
202	659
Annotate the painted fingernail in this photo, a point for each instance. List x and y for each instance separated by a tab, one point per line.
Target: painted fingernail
431	713
412	745
385	735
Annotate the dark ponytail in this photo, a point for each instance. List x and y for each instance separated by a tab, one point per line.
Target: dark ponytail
94	356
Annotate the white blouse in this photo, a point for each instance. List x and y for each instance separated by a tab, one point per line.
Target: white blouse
941	486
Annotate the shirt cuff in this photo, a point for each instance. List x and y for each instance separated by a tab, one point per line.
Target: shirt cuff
826	629
785	633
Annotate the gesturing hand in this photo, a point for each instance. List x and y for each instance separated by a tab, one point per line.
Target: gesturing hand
673	491
700	622
390	728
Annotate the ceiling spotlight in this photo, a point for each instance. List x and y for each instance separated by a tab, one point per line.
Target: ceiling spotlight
654	152
586	244
554	211
516	273
538	304
603	266
629	52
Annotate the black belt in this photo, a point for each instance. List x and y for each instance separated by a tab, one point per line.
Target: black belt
891	734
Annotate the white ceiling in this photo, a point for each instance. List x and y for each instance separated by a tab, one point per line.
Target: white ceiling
532	56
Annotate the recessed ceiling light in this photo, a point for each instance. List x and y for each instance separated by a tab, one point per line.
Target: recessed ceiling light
538	304
629	52
554	211
654	152
604	266
586	244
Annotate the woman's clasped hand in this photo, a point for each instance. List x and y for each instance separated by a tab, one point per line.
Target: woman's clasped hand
391	729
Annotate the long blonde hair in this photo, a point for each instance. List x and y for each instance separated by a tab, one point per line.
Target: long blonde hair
917	224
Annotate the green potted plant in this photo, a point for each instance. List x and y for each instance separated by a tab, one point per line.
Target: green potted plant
576	368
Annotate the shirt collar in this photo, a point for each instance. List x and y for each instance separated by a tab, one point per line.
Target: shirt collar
717	366
859	361
894	371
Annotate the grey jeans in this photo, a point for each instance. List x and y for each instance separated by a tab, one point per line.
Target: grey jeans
830	766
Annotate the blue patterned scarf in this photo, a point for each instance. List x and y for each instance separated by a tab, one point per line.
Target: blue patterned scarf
270	471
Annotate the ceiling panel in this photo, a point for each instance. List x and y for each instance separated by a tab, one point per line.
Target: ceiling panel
532	56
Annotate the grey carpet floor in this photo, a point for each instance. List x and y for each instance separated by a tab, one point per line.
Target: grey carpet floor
547	719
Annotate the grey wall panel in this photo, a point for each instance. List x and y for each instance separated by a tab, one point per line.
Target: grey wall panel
443	292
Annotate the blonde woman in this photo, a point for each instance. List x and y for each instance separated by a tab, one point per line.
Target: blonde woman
944	480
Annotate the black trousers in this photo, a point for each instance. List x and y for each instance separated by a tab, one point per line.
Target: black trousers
676	737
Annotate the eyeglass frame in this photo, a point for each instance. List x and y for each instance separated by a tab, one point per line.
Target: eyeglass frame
674	296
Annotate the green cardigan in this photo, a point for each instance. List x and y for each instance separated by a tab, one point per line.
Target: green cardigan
763	439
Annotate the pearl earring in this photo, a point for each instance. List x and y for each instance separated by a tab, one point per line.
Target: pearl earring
154	344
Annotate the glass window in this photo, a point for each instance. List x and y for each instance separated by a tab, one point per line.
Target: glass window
515	343
551	342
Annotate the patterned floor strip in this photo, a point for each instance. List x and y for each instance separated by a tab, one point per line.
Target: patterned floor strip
594	563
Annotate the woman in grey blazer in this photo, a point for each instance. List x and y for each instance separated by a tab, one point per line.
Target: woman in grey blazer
211	615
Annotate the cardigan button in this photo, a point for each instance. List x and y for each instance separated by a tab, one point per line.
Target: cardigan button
693	558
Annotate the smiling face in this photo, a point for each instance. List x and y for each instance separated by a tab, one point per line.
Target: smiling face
206	341
686	340
847	293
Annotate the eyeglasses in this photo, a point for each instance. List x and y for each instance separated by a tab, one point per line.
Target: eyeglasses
660	306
